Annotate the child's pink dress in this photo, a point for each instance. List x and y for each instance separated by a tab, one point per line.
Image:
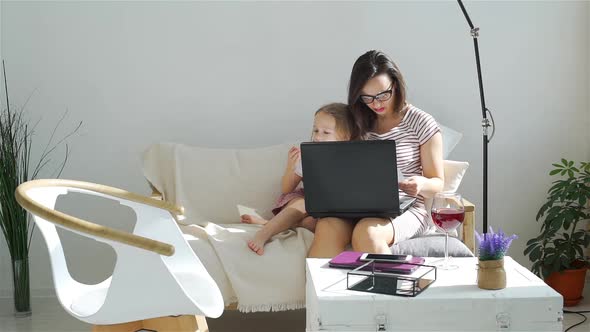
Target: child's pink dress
284	199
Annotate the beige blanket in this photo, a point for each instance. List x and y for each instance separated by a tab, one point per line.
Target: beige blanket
217	185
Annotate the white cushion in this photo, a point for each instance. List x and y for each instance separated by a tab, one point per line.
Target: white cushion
454	172
432	245
450	139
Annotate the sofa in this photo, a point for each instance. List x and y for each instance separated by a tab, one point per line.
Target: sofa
216	186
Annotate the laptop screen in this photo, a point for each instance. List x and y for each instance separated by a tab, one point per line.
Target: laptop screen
349	178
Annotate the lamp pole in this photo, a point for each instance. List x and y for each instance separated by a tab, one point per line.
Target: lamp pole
485	122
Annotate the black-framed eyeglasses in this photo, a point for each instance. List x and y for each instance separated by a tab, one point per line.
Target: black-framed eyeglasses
383	96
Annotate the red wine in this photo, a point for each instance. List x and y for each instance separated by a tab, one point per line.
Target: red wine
448	219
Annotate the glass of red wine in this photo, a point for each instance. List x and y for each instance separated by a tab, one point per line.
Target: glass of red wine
448	212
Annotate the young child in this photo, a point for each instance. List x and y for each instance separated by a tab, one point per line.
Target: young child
332	122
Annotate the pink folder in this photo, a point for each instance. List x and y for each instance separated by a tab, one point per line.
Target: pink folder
351	260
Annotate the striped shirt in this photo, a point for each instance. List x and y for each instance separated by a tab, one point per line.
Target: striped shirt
415	129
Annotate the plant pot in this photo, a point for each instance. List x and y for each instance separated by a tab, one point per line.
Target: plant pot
491	274
22	294
569	283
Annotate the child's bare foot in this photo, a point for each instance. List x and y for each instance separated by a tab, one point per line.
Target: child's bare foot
249	219
308	222
258	241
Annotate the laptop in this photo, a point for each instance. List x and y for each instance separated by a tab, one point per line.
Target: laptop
353	179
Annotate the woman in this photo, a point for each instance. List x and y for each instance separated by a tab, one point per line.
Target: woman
377	98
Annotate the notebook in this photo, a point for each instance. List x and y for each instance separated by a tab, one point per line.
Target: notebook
351	260
352	179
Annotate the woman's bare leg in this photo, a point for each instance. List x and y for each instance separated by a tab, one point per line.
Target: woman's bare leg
309	223
373	235
289	216
332	235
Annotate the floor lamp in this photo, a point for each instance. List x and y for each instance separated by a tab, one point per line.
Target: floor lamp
485	122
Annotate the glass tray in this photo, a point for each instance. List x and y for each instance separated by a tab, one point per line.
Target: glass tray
366	279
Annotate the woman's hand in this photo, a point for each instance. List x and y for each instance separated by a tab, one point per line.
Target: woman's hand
412	185
294	154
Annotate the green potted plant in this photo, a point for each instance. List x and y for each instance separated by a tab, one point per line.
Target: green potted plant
557	252
16	141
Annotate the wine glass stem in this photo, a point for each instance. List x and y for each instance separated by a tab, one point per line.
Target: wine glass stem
446	263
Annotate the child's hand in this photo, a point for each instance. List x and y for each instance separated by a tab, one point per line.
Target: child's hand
412	185
294	154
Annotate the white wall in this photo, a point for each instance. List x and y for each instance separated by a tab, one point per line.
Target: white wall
251	74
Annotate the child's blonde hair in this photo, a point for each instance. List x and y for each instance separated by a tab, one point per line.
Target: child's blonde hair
343	116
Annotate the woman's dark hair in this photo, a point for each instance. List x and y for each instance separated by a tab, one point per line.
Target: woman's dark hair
367	66
343	117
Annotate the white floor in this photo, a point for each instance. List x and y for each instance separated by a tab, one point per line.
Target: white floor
48	316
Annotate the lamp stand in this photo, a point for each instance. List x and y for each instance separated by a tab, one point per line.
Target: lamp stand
485	123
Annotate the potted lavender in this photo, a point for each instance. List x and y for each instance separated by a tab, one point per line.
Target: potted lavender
492	248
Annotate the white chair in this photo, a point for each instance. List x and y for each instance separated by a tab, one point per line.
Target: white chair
156	274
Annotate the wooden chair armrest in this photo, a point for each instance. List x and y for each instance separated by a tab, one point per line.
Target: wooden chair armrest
467	233
90	228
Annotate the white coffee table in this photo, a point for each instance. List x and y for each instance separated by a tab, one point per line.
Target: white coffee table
452	303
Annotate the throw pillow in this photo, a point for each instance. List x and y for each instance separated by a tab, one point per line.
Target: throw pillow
431	246
454	172
450	139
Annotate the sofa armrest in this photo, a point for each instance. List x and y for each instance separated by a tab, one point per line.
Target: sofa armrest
155	193
467	232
